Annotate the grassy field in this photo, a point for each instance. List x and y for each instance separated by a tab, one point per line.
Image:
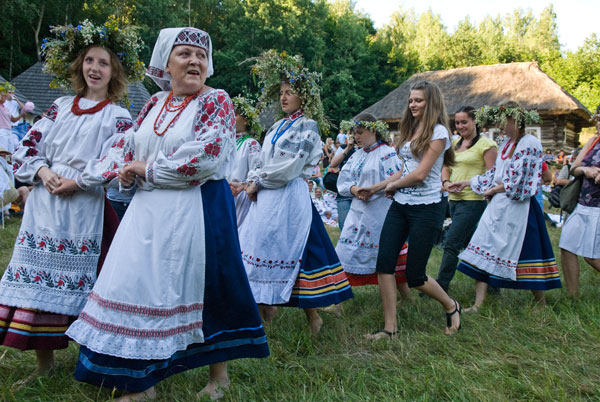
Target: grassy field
509	351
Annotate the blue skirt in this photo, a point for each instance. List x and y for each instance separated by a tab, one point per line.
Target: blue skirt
321	281
231	324
536	268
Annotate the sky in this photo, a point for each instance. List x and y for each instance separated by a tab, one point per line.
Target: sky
576	19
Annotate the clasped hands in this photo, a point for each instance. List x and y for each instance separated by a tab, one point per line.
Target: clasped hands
55	184
128	174
591	172
365	193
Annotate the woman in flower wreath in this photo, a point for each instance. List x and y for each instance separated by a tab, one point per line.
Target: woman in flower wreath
8	140
287	253
173	294
247	129
373	162
510	247
55	258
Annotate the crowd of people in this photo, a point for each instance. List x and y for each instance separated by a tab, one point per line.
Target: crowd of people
148	293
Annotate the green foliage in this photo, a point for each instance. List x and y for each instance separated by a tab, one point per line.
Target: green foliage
359	64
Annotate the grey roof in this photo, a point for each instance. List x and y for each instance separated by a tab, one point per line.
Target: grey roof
483	85
34	84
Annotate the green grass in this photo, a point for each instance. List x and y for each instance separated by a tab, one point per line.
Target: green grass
508	352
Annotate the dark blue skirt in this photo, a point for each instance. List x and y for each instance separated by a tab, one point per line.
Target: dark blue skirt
231	324
536	268
321	281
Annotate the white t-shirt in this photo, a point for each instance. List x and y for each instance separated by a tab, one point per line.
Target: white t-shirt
427	192
341	138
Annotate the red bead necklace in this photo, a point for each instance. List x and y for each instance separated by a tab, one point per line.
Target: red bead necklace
178	108
77	111
503	153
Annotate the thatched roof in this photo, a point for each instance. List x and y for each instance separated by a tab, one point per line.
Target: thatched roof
34	84
489	85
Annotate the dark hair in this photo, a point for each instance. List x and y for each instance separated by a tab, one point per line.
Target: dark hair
470	111
117	86
370	117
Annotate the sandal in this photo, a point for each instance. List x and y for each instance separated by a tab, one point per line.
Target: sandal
457	309
388	334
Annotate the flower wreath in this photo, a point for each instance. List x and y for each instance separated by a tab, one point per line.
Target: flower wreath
61	51
245	108
497	115
273	68
5	87
378	127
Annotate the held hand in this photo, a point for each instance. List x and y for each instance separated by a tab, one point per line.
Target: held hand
390	190
489	193
138	168
126	178
236	188
591	172
50	179
252	191
67	188
365	193
333	169
456	187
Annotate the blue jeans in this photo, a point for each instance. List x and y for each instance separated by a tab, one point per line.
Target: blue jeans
465	216
343	206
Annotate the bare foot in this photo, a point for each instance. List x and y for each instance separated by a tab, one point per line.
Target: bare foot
215	389
315	322
334	309
45	372
146	395
473	309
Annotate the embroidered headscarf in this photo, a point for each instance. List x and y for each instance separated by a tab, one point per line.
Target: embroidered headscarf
167	40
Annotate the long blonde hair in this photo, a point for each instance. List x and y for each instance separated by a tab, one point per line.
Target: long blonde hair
435	113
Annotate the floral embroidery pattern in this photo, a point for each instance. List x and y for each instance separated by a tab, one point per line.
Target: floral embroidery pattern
34	276
138	333
145	110
123	124
62	246
268	263
143	310
364	241
522	175
52	112
491	257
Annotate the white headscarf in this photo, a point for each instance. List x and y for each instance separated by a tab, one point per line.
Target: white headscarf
167	39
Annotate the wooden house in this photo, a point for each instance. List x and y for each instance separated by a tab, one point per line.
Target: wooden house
563	116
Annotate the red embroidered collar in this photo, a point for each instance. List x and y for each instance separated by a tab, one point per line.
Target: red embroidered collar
373	147
295	115
77	111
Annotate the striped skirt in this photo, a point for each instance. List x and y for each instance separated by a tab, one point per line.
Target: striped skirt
27	329
321	281
371	279
536	267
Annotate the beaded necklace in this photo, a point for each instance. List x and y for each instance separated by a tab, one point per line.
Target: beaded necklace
503	153
77	111
178	108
